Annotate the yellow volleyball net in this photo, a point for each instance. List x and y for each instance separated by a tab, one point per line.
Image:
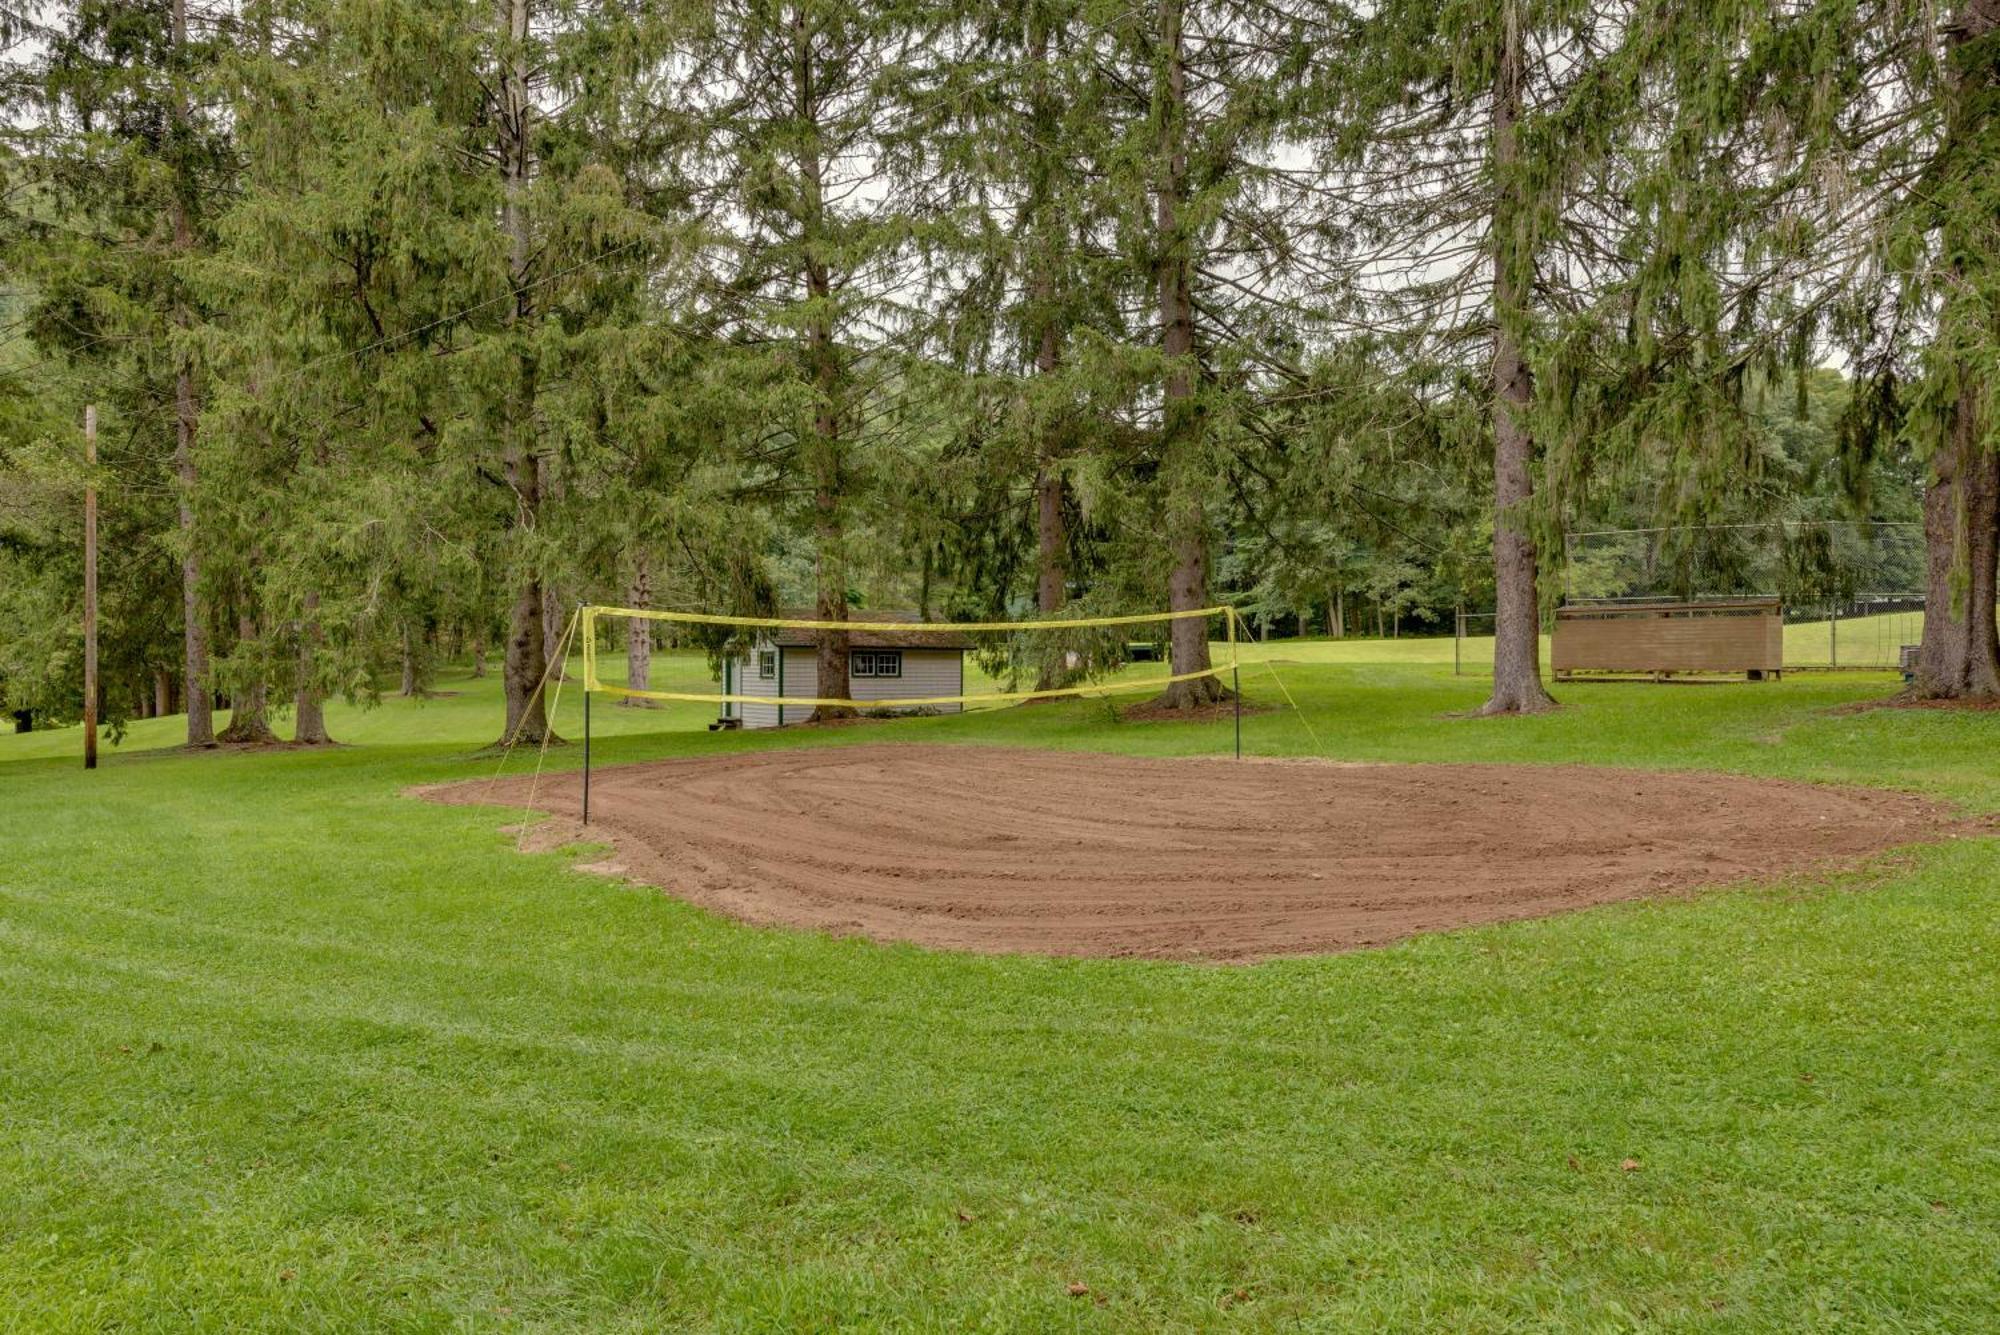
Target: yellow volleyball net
1087	655
897	666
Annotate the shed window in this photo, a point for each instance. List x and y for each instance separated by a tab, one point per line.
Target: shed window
875	663
767	664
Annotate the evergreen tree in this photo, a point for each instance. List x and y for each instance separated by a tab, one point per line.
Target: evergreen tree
1823	178
1485	139
410	380
130	153
812	266
1005	134
1202	96
1905	117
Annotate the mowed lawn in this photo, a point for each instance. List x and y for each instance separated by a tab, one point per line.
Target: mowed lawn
282	1048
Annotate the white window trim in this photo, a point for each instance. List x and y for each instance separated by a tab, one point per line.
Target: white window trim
874	658
767	665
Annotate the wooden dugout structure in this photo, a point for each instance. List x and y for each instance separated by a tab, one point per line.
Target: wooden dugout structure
1666	639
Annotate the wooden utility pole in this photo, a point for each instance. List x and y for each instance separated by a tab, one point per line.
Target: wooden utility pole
90	588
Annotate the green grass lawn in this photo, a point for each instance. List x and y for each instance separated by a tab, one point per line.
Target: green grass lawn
282	1048
1853	642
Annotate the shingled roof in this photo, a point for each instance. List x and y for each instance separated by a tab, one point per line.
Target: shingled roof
792	637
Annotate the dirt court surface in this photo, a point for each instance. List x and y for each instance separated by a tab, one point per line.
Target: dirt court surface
1071	853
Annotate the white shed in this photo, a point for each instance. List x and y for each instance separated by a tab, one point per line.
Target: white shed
918	663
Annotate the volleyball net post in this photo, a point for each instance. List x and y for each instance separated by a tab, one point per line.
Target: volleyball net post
1235	682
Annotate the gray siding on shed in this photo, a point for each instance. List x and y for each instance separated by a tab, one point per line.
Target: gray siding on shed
926	672
758	716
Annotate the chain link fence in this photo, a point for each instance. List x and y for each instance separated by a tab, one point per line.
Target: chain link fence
1802	563
1866	631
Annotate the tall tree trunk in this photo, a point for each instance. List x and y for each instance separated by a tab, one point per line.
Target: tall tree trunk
523	667
249	717
408	688
1960	655
553	622
1336	615
163	693
639	636
1051	543
555	617
479	654
823	362
308	704
1517	657
200	714
1186	520
527	650
829	565
194	647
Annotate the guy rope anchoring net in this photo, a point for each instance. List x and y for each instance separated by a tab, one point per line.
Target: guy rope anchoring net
553	666
1077	652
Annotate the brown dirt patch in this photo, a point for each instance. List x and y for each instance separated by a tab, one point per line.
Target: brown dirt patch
1067	853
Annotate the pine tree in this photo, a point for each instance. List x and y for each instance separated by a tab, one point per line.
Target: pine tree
1848	153
1202	96
810	273
1006	134
524	466
1481	139
341	265
1939	233
130	145
403	389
